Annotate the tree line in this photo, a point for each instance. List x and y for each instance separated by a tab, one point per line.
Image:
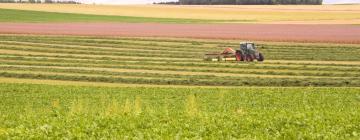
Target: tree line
251	2
39	1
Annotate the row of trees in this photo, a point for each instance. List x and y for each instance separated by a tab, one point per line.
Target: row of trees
251	2
39	1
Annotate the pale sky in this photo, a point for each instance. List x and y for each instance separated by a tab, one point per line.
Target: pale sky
151	1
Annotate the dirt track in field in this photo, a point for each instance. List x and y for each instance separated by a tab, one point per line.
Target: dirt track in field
265	32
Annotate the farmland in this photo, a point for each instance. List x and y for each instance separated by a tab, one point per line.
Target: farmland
20	16
47	112
325	14
256	32
137	72
81	87
174	62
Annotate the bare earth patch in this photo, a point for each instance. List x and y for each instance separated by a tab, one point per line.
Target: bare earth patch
265	32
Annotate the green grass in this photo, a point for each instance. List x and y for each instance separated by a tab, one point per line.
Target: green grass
11	15
73	112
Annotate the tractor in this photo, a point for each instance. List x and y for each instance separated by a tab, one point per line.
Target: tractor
247	52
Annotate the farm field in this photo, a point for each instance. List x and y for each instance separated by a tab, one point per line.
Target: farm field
30	16
255	32
165	61
31	111
81	87
325	14
137	72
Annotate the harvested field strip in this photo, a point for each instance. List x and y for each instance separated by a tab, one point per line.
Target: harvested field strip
80	74
102	47
189	64
191	69
289	52
159	43
166	42
120	58
269	48
117	46
215	82
80	51
149	73
171	62
22	52
254	67
277	63
185	41
145	54
308	62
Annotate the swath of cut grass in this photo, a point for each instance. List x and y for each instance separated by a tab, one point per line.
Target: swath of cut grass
107	60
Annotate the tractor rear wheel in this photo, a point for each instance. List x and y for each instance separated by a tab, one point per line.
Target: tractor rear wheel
242	57
249	58
261	57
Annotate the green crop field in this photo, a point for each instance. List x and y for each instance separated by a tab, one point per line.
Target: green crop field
74	87
11	15
70	112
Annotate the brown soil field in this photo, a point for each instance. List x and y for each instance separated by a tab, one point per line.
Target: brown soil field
263	32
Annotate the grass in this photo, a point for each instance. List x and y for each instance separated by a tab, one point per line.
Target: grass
31	111
159	61
327	14
11	15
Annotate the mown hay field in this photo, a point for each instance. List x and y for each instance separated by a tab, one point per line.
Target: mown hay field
156	61
329	14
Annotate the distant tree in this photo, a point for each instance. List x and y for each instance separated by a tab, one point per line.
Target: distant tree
246	2
48	1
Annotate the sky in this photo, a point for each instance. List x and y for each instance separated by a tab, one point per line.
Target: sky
151	1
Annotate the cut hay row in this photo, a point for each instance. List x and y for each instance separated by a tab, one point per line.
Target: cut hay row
314	65
97	52
167	62
161	81
140	69
307	67
154	73
186	66
275	52
191	66
102	47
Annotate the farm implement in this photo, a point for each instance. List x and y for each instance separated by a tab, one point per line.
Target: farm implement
247	52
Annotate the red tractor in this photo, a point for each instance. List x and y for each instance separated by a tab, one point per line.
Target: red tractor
247	52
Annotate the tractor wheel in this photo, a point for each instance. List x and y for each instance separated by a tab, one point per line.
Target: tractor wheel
261	57
249	58
240	57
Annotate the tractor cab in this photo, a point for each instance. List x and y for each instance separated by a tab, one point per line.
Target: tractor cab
248	52
248	47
